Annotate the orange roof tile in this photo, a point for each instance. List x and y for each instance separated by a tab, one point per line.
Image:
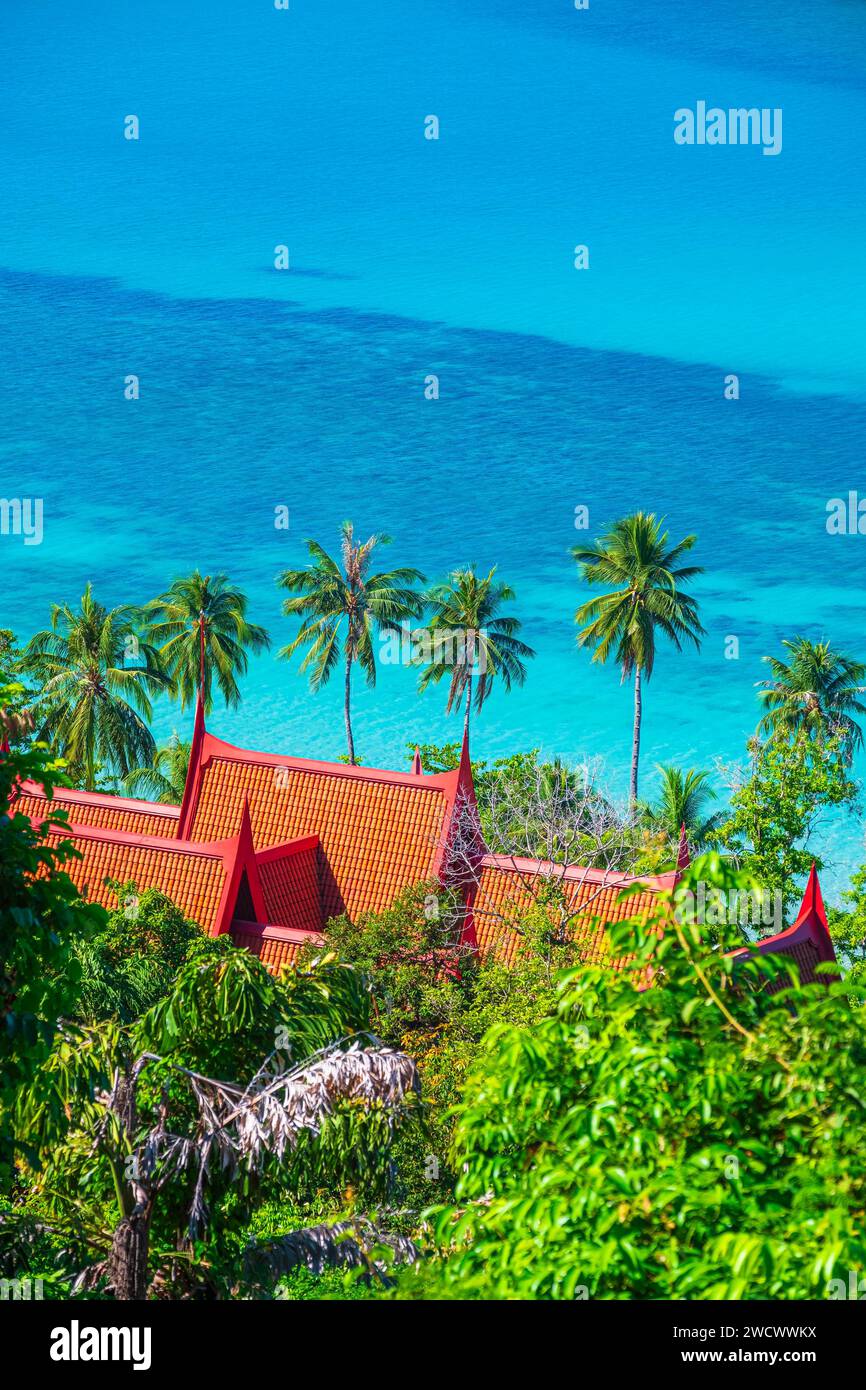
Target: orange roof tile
379	832
194	877
289	877
100	808
509	886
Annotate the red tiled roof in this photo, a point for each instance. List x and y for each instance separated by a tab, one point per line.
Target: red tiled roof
203	880
275	946
101	809
379	832
193	876
807	942
509	886
289	877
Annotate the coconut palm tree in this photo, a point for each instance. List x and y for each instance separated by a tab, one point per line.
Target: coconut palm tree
164	779
201	621
816	692
647	579
683	802
96	676
348	605
472	642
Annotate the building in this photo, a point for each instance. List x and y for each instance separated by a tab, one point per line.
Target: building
267	848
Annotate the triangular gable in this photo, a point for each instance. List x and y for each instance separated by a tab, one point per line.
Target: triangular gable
379	832
808	941
203	880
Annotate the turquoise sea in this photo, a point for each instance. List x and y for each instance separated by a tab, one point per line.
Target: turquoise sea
454	257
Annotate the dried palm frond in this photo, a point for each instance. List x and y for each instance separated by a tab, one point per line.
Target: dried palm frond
351	1244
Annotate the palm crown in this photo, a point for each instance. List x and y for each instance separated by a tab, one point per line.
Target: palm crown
816	692
164	779
201	622
647	578
683	802
97	677
473	640
342	609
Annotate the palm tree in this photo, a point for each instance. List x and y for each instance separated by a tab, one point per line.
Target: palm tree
330	601
201	622
682	804
164	779
815	693
470	637
634	560
96	678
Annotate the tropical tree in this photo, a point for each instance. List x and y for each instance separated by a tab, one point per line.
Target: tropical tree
232	1088
472	642
42	922
647	578
777	802
815	692
201	629
164	779
96	676
342	609
663	1143
682	802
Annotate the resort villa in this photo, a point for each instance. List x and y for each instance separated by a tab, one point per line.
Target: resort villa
268	848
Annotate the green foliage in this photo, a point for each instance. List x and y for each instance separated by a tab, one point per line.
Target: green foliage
41	925
774	810
408	957
130	964
848	929
700	1138
224	1017
96	679
203	610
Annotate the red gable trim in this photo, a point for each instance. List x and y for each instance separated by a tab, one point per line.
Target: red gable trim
213	747
80	798
267	931
810	928
574	873
286	850
193	772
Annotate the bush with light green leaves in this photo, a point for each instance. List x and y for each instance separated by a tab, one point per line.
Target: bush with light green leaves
700	1138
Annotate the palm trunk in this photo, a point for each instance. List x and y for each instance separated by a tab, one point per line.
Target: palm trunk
468	706
127	1262
635	744
348	698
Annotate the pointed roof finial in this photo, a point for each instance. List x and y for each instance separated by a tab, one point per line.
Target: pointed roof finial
190	786
684	857
813	901
416	762
245	830
465	764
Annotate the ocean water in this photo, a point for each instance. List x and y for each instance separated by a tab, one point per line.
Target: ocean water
558	388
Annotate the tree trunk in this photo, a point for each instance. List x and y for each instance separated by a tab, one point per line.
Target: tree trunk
127	1262
349	740
635	743
468	706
